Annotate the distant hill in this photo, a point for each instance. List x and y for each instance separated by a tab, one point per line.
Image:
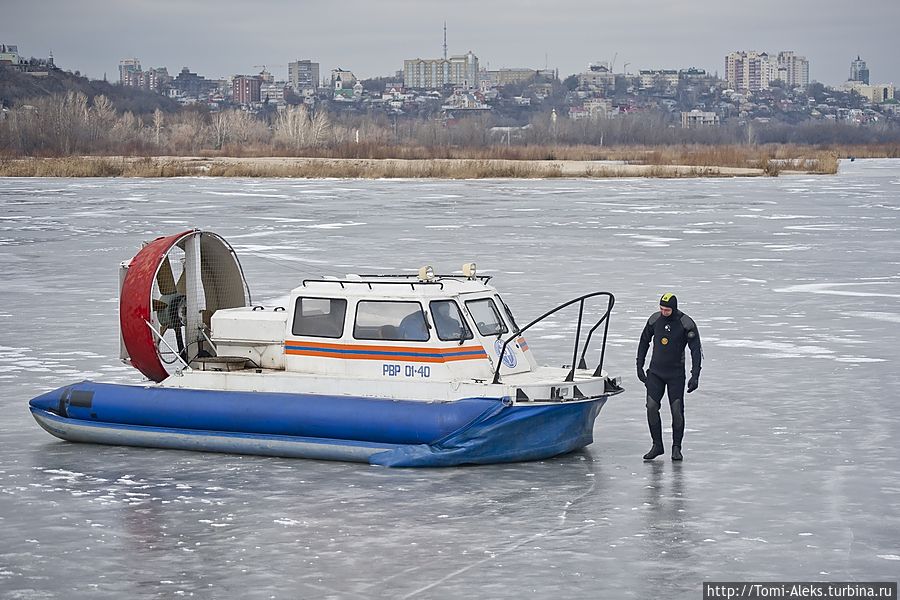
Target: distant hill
17	88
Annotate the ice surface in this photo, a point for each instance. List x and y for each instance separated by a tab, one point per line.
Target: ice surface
791	469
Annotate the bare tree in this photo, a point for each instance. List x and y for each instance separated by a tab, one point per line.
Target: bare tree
293	128
319	127
157	124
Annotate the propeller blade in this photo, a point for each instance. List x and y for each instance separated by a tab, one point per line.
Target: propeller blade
165	279
180	286
159	305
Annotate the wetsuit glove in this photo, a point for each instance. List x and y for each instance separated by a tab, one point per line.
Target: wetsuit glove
693	383
641	375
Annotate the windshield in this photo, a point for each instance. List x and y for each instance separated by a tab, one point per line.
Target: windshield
486	316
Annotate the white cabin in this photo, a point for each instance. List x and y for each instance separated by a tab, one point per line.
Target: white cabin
391	336
444	329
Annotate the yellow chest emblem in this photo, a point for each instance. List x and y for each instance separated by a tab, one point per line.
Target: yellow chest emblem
664	341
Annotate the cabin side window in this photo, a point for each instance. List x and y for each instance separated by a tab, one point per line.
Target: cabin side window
448	321
487	317
319	317
390	320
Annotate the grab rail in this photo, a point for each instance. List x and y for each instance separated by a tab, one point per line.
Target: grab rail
341	282
604	319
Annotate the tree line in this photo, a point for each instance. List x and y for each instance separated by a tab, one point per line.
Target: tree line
72	124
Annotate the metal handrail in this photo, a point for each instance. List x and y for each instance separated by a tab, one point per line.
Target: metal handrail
482	278
341	282
604	319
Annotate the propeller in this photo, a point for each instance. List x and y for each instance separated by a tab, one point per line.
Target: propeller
164	278
169	307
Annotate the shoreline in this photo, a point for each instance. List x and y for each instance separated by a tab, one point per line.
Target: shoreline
375	168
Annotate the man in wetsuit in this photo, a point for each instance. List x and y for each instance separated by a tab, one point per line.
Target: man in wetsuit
670	330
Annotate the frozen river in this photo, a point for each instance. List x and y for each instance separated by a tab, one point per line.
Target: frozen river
791	471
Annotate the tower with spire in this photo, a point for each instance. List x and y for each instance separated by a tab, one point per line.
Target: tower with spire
859	71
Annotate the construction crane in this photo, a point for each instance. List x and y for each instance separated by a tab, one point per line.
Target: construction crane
265	71
265	67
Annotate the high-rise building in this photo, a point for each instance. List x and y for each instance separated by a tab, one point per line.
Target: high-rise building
127	66
191	84
434	73
303	75
157	80
859	71
245	89
750	71
793	70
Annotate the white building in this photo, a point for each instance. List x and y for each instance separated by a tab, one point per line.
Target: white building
793	70
435	73
9	55
598	76
665	79
272	91
877	93
750	71
697	118
599	108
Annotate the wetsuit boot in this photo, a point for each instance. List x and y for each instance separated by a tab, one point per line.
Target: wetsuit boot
677	407
655	424
654	452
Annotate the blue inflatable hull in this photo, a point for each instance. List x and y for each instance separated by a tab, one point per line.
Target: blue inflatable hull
399	433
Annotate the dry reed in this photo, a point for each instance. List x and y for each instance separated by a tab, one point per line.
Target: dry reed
491	162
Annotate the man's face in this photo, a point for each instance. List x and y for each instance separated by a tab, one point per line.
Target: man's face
665	311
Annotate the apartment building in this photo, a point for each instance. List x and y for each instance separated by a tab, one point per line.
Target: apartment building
598	76
303	75
750	71
191	84
127	66
793	70
272	91
435	73
245	89
664	79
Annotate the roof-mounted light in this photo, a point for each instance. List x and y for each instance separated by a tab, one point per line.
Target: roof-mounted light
469	270
426	273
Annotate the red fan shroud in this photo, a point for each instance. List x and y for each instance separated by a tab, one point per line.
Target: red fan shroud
150	299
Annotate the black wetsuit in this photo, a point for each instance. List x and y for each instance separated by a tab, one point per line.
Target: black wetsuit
669	335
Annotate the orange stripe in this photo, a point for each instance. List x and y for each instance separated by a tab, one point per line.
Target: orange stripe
416	350
427	359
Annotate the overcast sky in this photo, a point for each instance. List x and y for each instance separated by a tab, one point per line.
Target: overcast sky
218	38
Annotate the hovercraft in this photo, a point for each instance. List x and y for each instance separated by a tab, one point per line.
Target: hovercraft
390	369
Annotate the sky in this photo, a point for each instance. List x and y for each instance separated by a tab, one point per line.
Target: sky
220	38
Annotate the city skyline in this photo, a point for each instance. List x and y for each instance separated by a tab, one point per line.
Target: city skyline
373	39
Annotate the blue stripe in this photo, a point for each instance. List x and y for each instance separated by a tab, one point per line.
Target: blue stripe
386	353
